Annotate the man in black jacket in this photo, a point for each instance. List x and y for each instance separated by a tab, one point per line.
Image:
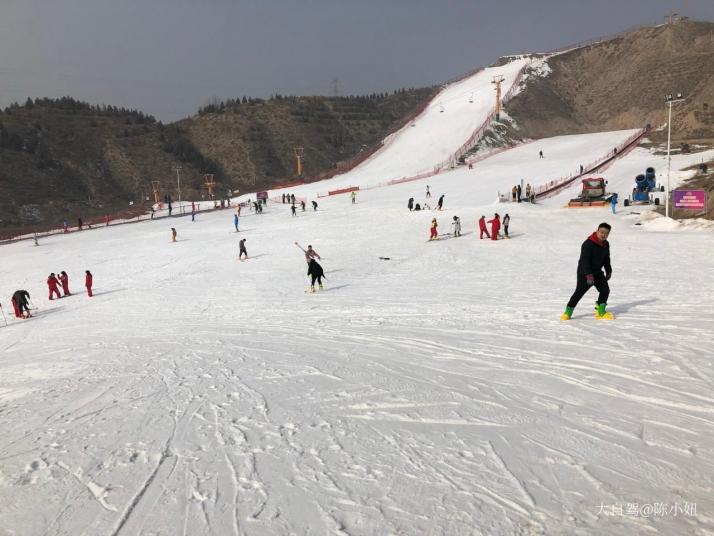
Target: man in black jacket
314	270
594	256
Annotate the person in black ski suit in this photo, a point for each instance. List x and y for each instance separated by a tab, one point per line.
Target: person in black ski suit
594	256
410	203
314	270
19	302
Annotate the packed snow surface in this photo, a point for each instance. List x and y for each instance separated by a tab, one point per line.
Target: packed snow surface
432	392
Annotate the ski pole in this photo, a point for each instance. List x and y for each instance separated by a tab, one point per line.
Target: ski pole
3	314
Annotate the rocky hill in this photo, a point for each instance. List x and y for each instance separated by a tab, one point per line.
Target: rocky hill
253	141
621	83
61	158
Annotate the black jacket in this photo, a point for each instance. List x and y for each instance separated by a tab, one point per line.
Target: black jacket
314	268
594	256
20	297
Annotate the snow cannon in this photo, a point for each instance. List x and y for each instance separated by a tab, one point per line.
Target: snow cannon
645	186
593	193
641	192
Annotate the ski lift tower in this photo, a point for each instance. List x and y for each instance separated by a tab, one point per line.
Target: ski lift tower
157	191
177	169
669	100
299	155
208	178
497	80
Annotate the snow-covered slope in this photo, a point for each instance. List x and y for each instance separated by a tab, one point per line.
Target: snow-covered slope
448	121
432	393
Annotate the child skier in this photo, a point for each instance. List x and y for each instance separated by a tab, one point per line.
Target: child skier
506	222
482	227
410	204
242	251
293	208
428	193
64	279
173	234
53	285
316	273
613	203
235	221
302	205
433	233
353	195
88	282
457	226
440	203
495	226
314	206
594	256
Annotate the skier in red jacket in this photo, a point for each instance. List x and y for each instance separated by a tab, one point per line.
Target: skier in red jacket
482	227
88	282
64	279
53	285
495	226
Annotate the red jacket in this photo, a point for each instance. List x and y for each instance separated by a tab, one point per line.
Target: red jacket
88	281
52	282
495	224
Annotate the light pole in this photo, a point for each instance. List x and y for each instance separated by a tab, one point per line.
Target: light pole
669	100
177	167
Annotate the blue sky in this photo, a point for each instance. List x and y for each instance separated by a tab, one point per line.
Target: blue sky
169	57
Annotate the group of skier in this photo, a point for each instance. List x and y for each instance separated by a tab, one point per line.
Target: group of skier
293	207
21	298
496	224
54	282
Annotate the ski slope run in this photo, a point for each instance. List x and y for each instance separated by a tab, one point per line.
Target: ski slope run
433	393
447	122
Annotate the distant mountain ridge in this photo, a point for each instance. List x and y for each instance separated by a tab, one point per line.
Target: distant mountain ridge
621	83
62	158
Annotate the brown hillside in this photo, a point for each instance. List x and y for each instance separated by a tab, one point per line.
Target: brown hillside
254	142
621	84
62	159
